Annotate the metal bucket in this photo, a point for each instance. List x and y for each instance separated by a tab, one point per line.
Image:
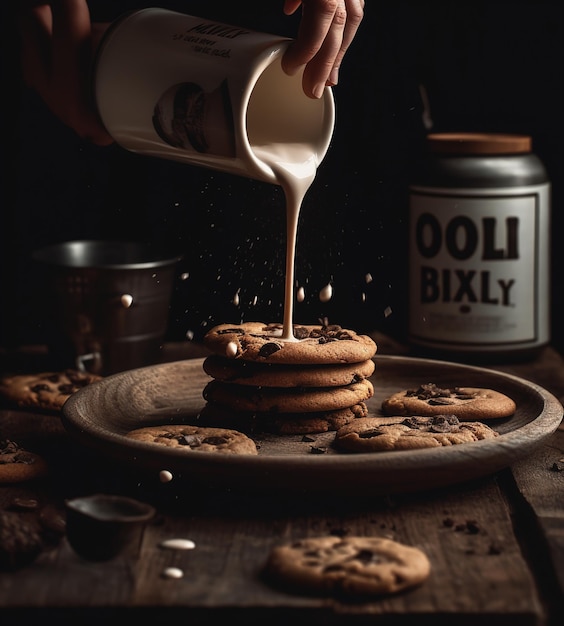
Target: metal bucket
109	303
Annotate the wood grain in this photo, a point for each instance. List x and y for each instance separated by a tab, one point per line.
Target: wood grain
495	543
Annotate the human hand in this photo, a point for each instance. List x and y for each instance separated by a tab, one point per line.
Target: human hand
326	30
58	42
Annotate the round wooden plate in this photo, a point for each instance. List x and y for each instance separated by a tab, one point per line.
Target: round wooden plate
99	415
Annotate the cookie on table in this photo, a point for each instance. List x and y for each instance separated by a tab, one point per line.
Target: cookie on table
468	403
286	400
20	542
18	465
195	438
283	424
47	391
250	373
374	434
347	566
262	343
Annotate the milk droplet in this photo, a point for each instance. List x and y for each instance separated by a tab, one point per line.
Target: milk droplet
231	349
236	299
363	297
368	278
184	276
326	293
173	572
189	335
126	300
178	544
300	295
387	311
165	476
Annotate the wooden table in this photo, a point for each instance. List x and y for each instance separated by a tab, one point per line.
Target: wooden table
496	544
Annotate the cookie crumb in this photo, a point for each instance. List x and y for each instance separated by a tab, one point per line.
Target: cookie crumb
317	450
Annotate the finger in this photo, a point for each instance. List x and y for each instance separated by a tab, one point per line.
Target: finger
317	72
70	51
36	30
70	69
317	21
291	6
355	15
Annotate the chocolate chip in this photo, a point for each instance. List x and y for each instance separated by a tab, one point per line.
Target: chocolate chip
370	433
439	402
472	527
300	332
8	447
334	567
269	348
40	387
190	440
66	388
24	457
367	556
442	424
429	390
216	440
414	422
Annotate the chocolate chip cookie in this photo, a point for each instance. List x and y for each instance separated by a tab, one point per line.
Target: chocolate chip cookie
314	344
19	465
468	403
283	400
348	566
20	542
283	424
241	372
47	391
196	439
374	434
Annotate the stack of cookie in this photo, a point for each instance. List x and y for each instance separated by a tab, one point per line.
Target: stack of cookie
262	383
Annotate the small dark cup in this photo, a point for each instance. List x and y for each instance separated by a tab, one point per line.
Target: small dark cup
100	527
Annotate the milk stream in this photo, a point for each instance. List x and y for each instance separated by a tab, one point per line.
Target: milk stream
295	167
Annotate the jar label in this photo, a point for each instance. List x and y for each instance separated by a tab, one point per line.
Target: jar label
479	267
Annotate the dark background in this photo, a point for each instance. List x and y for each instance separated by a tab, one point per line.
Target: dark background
484	67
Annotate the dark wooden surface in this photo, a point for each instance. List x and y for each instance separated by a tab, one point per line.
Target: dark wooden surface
496	544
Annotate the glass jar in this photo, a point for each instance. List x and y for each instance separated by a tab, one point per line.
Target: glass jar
479	246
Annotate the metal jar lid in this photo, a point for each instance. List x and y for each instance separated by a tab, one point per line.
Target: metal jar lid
478	143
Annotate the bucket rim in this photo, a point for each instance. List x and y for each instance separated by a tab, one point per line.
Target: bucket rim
104	254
